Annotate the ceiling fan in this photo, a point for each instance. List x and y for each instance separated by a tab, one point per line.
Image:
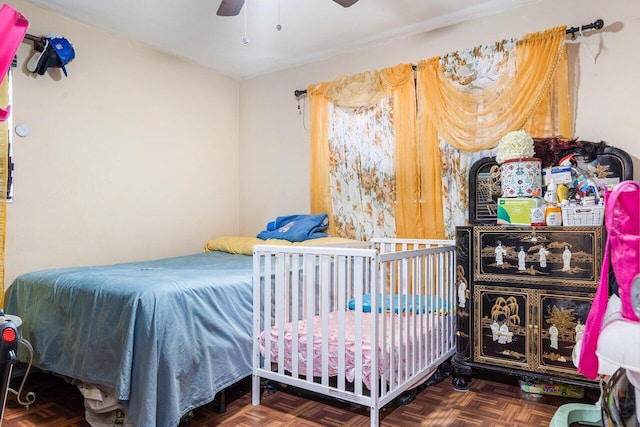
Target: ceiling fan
232	7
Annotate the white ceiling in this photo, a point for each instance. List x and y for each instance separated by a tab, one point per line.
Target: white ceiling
311	29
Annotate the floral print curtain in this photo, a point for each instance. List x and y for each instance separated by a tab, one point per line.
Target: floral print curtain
361	170
455	184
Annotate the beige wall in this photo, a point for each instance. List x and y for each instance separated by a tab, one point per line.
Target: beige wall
275	143
133	156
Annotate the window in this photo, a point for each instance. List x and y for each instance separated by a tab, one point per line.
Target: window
5	130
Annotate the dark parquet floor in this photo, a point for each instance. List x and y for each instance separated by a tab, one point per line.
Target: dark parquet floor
489	402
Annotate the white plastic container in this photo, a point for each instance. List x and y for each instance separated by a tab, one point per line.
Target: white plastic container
551	195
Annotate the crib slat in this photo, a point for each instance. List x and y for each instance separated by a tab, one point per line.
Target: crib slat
268	321
309	289
358	289
342	286
294	317
325	311
371	276
383	320
280	295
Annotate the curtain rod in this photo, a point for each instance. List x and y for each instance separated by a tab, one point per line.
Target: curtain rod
597	25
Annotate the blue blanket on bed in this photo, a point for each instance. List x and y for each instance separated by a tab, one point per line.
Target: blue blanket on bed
166	335
296	228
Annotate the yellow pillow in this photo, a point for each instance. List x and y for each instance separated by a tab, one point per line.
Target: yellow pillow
240	245
233	244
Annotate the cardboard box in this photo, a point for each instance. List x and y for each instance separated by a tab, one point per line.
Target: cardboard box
559	175
515	210
114	418
552	389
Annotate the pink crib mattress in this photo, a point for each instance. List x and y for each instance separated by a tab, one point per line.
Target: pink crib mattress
399	369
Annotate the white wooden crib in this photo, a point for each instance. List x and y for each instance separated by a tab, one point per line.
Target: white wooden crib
374	319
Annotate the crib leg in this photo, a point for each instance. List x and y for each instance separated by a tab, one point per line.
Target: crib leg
255	390
374	415
271	387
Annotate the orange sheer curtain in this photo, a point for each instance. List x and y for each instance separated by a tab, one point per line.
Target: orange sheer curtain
431	204
552	116
319	167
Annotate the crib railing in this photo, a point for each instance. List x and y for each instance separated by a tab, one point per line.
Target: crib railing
362	323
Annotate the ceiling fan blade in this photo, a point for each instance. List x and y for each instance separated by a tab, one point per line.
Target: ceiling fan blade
230	7
346	3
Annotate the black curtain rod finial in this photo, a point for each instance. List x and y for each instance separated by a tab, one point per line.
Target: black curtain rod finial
298	93
597	25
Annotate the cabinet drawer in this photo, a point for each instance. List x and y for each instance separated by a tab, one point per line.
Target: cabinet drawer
570	256
502	323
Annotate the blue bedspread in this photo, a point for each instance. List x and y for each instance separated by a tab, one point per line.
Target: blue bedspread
167	335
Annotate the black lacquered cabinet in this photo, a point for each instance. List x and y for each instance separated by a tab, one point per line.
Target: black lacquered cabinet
524	297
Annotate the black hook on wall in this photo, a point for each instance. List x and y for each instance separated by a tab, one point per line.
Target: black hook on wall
39	43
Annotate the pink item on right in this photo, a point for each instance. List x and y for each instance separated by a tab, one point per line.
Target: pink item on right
622	255
13	27
622	220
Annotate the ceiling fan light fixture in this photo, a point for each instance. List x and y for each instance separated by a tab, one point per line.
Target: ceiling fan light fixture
346	3
230	7
233	7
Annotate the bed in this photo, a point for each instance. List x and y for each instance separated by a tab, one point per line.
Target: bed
166	335
363	322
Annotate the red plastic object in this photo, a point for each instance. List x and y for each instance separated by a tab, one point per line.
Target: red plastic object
9	335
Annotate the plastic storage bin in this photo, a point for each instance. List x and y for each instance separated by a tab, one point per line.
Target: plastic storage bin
582	215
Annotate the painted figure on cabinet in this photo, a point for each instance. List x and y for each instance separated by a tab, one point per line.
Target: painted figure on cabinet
506	336
522	257
579	331
495	330
543	253
500	331
462	293
566	259
553	336
500	253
